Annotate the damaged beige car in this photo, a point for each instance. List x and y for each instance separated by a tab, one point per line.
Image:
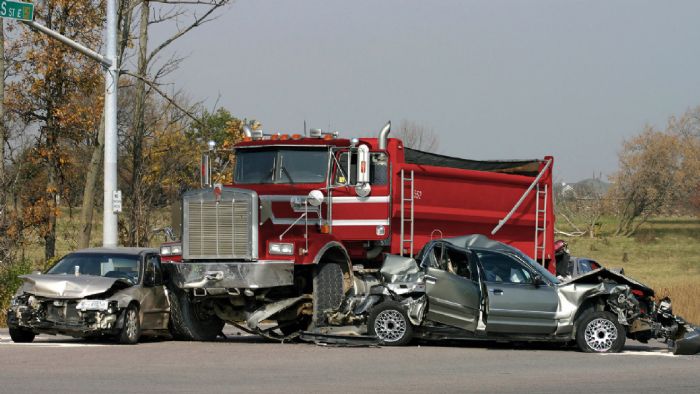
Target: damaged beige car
102	292
472	287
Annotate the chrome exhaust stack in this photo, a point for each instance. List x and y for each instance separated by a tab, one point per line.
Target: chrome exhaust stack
247	132
384	135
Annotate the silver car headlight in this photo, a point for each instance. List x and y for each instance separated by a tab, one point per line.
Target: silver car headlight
92	305
286	249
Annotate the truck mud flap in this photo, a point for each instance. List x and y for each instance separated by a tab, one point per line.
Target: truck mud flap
689	344
339	340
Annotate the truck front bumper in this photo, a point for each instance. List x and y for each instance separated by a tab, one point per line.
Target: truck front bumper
232	275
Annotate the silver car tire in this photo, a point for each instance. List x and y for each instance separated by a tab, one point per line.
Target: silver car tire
389	322
131	327
600	332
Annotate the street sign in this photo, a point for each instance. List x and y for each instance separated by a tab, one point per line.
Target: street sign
16	10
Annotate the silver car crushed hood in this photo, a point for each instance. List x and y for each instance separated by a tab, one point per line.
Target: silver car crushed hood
604	275
69	286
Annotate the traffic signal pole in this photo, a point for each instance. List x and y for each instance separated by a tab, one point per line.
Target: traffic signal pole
112	196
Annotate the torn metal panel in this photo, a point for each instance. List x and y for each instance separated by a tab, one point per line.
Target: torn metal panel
269	310
688	343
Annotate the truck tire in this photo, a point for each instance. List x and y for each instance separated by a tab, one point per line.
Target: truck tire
600	332
328	291
389	322
131	329
20	335
187	323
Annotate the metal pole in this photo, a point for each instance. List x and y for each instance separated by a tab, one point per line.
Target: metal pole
73	44
522	198
109	223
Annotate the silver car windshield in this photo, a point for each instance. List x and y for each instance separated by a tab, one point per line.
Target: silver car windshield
108	265
281	165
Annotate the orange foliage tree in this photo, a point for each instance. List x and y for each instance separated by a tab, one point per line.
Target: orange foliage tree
57	93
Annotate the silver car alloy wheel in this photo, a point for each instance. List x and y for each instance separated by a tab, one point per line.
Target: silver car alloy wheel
600	335
390	325
131	323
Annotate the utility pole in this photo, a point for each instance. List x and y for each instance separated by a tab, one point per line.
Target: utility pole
112	195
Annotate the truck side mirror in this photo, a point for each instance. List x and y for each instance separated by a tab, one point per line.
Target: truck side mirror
362	164
363	188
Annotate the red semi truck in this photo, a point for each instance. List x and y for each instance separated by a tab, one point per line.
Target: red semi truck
307	217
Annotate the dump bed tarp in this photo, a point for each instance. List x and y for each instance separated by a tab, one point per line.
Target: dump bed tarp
519	167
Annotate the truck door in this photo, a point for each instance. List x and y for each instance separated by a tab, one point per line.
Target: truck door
514	303
452	287
354	217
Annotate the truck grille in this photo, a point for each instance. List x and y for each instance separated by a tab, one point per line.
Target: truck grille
223	229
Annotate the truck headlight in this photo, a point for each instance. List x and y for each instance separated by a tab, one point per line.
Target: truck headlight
169	250
92	305
165	250
286	249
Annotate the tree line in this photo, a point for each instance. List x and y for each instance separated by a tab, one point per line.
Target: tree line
52	128
658	173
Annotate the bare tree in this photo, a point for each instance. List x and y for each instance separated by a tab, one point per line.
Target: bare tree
417	136
149	72
582	206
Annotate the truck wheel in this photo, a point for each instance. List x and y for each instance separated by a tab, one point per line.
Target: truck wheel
131	330
600	332
20	335
188	322
328	291
389	322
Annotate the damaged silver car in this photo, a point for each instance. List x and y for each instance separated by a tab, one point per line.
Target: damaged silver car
100	292
472	287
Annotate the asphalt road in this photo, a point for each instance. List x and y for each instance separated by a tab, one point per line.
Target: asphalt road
252	365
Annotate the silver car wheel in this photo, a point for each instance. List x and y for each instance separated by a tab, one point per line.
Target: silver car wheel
131	328
390	325
600	335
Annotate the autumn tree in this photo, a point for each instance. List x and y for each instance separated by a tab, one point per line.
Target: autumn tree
658	171
417	136
56	92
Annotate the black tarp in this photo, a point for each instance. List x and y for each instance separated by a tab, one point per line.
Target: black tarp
519	167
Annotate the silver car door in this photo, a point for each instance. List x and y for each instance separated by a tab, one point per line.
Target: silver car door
154	302
515	304
453	293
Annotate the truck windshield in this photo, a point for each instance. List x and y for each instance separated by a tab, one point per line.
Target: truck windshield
281	165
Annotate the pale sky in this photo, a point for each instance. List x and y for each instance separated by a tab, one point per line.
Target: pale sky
495	79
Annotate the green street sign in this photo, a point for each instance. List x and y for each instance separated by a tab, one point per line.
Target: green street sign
16	10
